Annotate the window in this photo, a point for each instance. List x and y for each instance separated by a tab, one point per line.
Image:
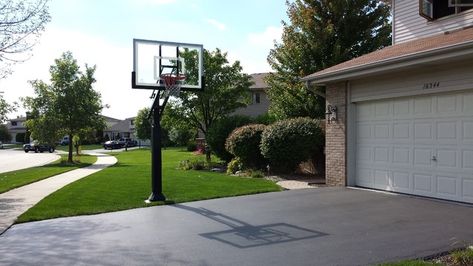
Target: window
435	9
257	97
14	123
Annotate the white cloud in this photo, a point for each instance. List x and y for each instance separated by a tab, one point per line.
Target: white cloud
217	24
266	38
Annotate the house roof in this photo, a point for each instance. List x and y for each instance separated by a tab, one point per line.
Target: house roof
259	81
121	126
396	53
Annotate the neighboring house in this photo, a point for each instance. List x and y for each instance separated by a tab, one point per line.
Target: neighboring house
119	128
16	126
259	99
402	117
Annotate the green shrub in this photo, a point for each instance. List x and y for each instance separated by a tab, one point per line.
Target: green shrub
198	165
234	166
181	136
289	142
244	143
463	257
191	146
266	119
218	133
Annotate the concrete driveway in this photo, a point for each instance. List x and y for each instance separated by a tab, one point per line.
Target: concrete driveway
11	160
325	226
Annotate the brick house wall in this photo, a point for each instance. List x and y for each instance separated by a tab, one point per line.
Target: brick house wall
336	137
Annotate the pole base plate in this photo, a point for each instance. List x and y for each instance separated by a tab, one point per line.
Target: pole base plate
155	197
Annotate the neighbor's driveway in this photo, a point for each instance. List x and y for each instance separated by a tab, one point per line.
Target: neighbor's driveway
12	160
324	226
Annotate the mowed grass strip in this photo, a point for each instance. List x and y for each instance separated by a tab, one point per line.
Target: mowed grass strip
127	184
15	179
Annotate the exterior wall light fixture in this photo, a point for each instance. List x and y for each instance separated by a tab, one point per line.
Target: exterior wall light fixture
331	113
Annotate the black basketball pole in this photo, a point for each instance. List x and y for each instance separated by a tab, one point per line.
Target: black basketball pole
156	156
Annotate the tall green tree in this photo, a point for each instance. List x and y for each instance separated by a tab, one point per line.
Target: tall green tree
226	89
67	106
5	108
142	124
320	34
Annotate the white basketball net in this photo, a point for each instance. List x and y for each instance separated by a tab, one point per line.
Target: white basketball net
172	84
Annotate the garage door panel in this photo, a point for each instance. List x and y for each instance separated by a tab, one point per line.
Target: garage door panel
420	145
467	129
423	106
447	104
401	181
422	183
467	188
401	155
447	158
423	130
467	159
401	130
447	185
447	130
467	103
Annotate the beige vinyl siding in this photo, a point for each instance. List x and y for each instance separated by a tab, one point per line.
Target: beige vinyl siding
450	77
409	25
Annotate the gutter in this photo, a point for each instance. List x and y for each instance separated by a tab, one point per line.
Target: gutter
452	51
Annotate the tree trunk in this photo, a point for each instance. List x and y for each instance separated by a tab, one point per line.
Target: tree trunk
69	157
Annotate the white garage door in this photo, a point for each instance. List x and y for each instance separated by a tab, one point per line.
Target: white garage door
417	145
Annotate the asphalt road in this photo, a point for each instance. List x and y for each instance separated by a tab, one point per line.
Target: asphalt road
11	160
325	226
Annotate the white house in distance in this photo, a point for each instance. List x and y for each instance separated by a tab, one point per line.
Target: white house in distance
16	126
260	102
402	117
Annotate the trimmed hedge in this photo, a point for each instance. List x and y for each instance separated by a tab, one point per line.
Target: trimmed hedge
218	133
244	143
289	142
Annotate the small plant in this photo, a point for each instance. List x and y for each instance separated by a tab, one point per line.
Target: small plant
192	165
198	165
256	174
463	257
234	166
185	165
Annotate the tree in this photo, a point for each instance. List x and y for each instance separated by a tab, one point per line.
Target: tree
320	34
226	89
68	106
142	124
4	134
21	24
5	108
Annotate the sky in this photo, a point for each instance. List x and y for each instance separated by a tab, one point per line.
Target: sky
101	32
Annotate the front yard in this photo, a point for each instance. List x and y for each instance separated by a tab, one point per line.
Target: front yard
127	184
14	179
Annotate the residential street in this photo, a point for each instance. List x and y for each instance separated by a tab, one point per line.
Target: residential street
323	226
11	160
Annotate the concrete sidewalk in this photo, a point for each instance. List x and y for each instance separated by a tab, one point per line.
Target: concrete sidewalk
15	202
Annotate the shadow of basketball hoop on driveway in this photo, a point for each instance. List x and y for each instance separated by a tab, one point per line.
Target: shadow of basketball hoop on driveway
244	235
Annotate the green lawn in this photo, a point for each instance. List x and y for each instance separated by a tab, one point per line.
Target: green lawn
14	179
127	184
82	147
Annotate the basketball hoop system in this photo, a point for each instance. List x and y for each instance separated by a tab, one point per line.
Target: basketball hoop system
172	84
